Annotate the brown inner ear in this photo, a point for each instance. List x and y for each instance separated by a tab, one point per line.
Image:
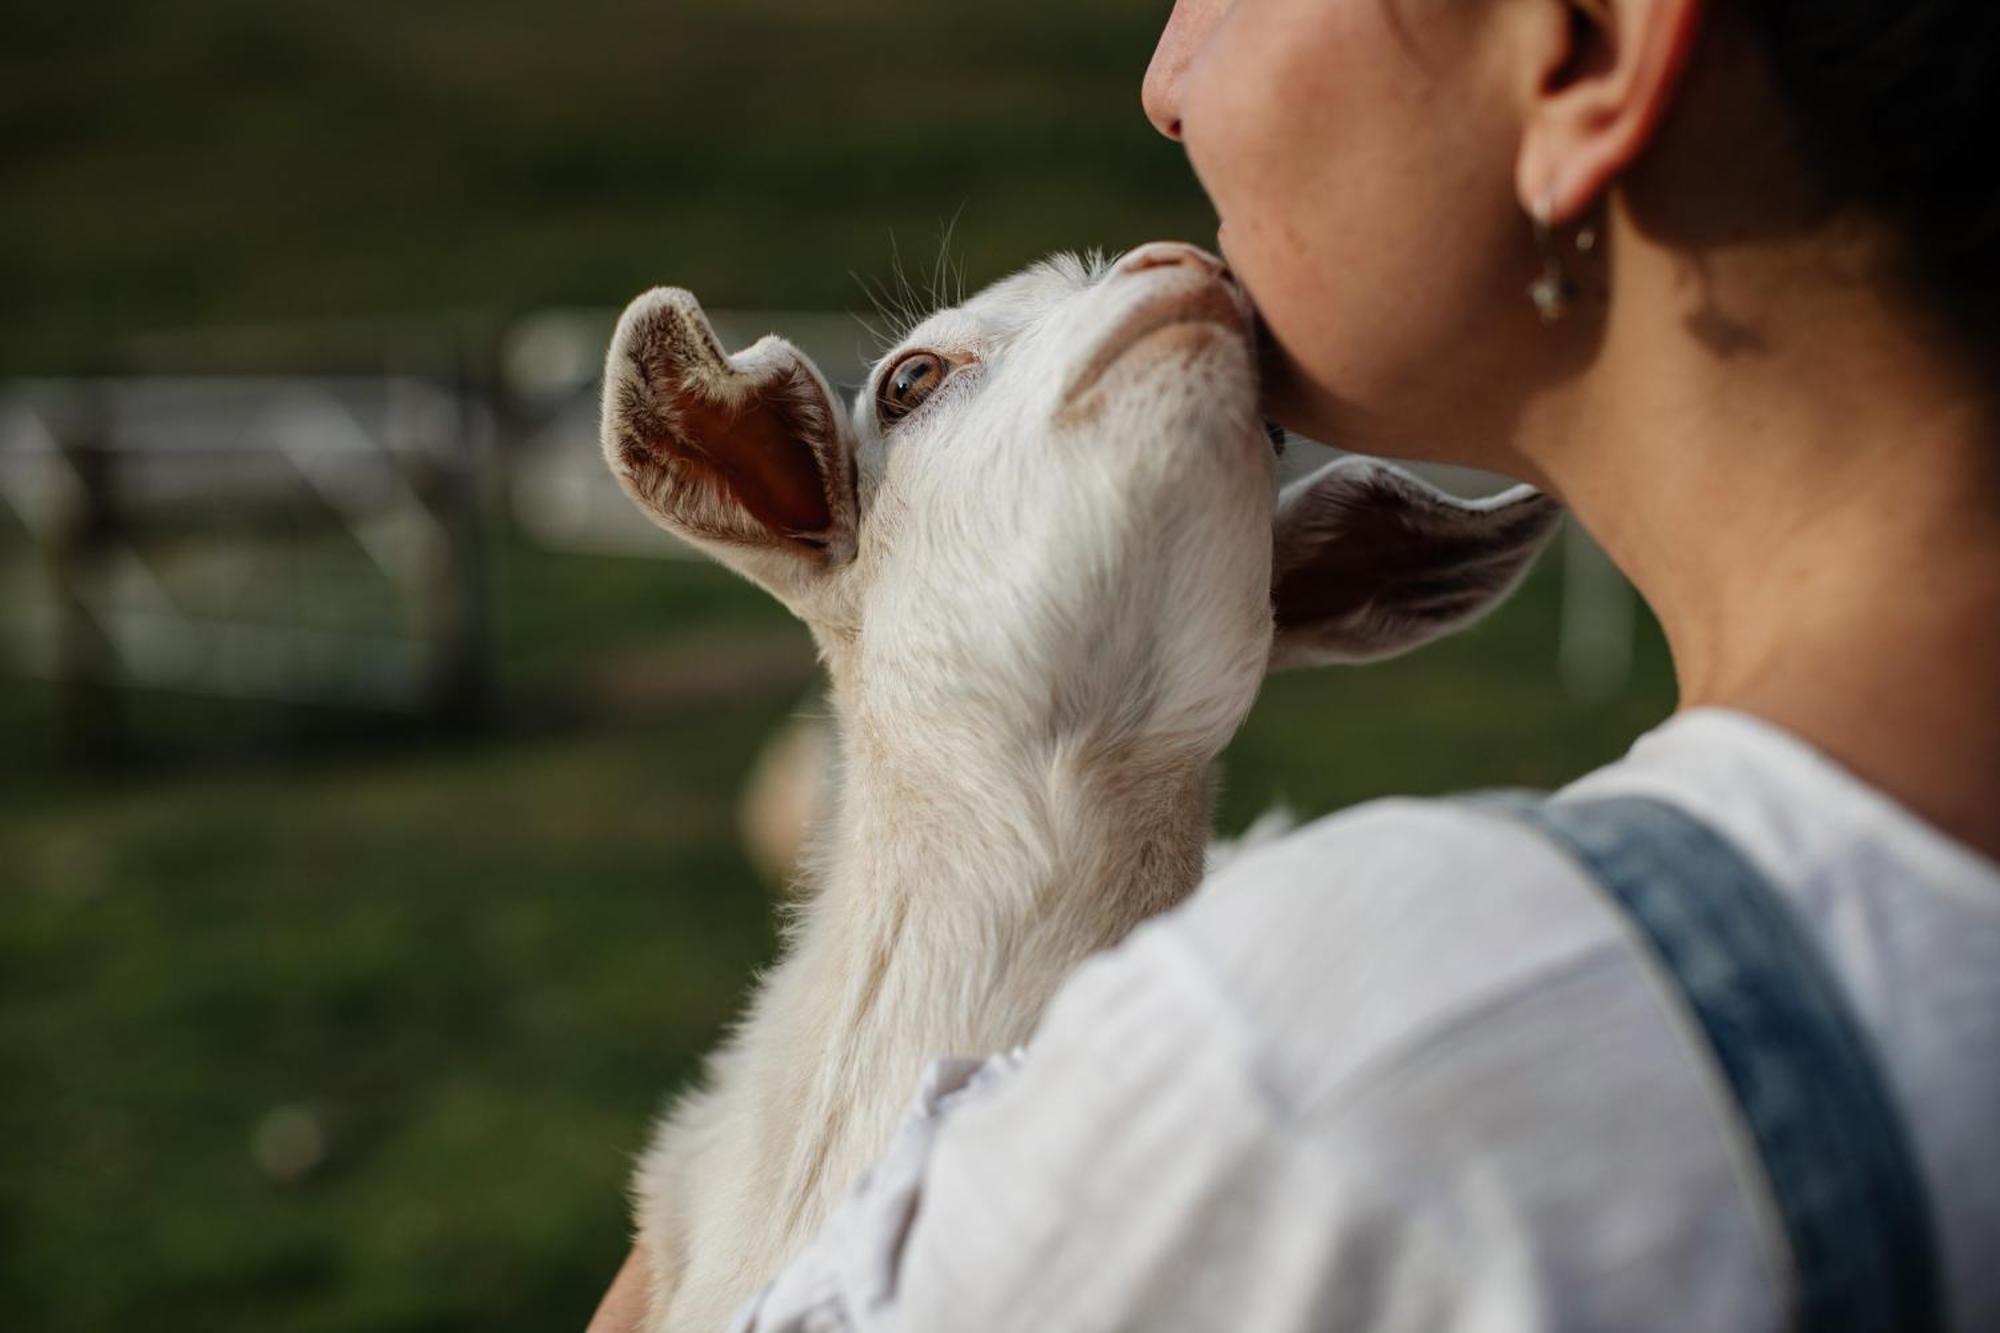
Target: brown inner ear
1401	553
1376	554
759	451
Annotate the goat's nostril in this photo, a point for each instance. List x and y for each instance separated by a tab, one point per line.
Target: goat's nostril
1169	254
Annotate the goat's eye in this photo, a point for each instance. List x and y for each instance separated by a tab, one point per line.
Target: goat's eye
910	381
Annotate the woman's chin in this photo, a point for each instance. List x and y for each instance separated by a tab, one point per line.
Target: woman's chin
1286	399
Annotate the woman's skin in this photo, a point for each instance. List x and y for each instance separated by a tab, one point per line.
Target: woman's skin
1790	456
1787	452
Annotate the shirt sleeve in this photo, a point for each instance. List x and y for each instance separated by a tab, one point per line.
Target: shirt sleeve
1128	1171
1120	1123
1299	1104
846	1277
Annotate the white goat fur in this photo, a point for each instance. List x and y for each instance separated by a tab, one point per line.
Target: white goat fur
1044	602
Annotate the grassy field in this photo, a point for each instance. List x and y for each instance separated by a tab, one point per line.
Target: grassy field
475	968
310	1021
217	163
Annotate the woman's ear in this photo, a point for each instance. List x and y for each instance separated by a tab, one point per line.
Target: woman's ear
746	456
1599	78
1368	561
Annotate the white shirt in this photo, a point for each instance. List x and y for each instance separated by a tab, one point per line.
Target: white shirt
1406	1068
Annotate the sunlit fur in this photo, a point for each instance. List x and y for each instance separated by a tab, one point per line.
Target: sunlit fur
1053	617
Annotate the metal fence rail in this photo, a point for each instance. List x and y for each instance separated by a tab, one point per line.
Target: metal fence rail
303	540
319	539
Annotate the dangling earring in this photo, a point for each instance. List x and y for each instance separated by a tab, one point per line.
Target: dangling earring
1554	291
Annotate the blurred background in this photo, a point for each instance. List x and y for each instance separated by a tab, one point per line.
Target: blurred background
371	779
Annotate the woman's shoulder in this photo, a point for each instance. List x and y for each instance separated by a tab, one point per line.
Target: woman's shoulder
1447	873
1373	929
1427	871
1815	830
1348	938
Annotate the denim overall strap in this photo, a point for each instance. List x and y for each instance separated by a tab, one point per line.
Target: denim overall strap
1836	1156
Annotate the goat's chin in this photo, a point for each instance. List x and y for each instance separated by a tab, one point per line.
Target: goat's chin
1195	363
1182	338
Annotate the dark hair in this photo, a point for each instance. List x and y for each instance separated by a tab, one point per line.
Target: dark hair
1897	104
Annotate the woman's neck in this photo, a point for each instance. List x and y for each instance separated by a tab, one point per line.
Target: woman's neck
1806	489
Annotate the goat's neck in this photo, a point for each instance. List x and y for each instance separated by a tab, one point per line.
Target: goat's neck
998	853
961	876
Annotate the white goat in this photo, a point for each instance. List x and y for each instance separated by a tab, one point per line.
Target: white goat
1038	561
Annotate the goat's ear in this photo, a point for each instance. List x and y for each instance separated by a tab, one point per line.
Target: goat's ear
746	455
1369	561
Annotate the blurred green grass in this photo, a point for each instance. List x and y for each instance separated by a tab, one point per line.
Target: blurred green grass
482	965
217	162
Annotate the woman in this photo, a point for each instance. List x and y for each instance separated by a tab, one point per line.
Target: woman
1721	276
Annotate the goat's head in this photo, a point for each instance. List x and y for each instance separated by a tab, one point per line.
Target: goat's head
1050	507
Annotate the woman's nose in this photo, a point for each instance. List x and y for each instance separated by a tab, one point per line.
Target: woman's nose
1187	28
1160	95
